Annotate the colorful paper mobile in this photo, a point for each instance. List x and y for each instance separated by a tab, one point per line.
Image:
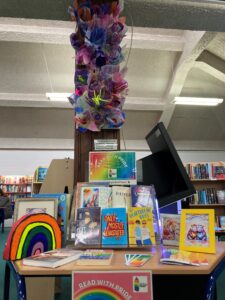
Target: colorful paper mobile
100	87
32	234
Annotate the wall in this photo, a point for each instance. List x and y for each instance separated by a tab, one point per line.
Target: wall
24	162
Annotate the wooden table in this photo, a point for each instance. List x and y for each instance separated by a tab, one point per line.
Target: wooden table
169	281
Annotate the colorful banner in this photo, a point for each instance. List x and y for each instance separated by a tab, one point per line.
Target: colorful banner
114	166
112	285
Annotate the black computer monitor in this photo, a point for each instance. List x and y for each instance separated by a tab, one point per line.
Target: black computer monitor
164	168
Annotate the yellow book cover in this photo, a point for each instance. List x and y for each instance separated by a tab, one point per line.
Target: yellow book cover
140	226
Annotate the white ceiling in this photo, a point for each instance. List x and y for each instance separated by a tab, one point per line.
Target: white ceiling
36	57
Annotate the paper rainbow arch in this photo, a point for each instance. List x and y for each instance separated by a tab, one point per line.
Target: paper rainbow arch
32	234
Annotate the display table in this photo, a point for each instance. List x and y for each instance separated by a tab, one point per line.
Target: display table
169	281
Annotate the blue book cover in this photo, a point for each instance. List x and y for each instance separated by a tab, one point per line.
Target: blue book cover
41	174
114	227
63	204
143	195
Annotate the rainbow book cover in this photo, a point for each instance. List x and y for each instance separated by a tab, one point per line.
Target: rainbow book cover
114	166
114	227
140	226
112	285
95	196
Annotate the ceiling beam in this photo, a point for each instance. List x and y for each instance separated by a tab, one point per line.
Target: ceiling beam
58	32
211	64
196	43
40	100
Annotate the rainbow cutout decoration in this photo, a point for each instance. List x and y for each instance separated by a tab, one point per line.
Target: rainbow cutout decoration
32	234
98	293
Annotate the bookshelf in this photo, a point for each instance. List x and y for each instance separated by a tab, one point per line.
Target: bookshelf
16	186
210	188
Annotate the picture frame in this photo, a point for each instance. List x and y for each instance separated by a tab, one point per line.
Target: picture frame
24	206
129	284
170	229
197	231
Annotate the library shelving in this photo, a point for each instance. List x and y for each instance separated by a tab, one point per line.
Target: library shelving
17	186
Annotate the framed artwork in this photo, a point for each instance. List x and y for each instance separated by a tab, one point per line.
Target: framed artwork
197	231
108	285
24	206
170	229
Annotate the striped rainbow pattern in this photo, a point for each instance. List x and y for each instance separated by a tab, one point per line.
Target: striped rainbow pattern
98	293
32	234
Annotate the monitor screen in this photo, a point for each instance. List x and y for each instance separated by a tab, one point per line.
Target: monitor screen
164	168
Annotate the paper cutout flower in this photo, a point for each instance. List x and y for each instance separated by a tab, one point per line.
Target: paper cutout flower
100	87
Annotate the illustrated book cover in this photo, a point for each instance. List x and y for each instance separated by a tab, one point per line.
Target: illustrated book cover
137	260
170	229
143	195
112	285
222	222
95	257
197	230
179	257
140	226
53	258
116	167
114	227
121	196
96	196
88	226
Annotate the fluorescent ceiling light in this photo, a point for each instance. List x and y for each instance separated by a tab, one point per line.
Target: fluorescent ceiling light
58	96
197	101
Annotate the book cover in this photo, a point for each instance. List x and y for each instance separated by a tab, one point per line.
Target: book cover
222	222
63	210
140	226
53	258
170	229
112	285
117	167
95	196
41	174
179	257
121	196
143	195
88	227
114	227
95	257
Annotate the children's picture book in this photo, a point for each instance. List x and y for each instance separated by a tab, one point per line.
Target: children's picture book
170	229
140	226
114	227
95	257
63	210
222	222
137	260
179	257
112	285
121	196
88	227
197	231
41	174
53	258
95	196
116	167
143	195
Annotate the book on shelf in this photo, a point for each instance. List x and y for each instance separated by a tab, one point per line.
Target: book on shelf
95	257
88	226
142	195
179	257
204	196
121	196
53	258
218	170
140	226
114	227
170	229
91	196
222	222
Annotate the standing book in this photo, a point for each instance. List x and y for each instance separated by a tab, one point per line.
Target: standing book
121	196
114	227
88	227
170	229
140	226
53	258
91	196
143	195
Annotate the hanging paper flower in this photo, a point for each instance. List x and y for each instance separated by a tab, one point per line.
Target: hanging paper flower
100	87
